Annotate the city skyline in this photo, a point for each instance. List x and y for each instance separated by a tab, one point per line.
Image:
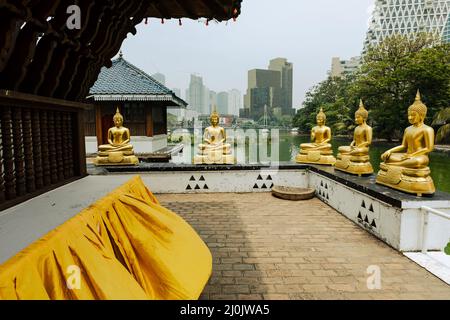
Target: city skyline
308	34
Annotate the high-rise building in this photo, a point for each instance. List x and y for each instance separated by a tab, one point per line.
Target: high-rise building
206	101
212	99
446	32
234	102
222	102
272	88
264	88
160	77
198	95
406	17
286	72
341	68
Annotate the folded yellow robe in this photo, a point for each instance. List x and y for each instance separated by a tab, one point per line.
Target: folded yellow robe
125	246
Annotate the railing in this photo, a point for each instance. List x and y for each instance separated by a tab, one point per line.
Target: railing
425	217
41	145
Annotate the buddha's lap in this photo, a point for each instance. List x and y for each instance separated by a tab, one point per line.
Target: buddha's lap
108	147
312	146
413	162
354	151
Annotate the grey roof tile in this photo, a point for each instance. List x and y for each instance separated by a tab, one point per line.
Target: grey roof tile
125	78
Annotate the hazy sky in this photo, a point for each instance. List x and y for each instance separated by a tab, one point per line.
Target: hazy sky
306	32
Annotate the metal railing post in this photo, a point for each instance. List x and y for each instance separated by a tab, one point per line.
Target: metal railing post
424	229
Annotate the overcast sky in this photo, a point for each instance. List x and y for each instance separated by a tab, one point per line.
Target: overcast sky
306	32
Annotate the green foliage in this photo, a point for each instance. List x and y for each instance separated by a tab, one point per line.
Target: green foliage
440	119
447	249
387	81
392	72
334	95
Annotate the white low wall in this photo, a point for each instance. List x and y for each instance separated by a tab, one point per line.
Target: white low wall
399	227
219	181
140	144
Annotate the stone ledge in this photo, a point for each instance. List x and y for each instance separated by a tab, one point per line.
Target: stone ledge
365	184
390	196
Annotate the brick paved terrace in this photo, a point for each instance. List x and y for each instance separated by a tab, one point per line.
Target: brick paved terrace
268	248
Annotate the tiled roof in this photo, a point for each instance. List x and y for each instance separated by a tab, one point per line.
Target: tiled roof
124	81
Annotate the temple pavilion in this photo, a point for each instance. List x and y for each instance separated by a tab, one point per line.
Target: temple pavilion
142	100
48	69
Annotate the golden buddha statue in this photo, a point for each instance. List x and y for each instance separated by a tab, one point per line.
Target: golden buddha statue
118	151
319	151
214	149
355	158
408	171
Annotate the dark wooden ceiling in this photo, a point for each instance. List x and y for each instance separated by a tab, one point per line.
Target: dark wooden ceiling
213	9
41	56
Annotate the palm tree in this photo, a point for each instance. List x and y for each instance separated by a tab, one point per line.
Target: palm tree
442	118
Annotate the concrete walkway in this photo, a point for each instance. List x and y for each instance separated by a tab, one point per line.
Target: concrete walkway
267	248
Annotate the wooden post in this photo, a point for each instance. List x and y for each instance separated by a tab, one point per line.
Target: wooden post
19	159
148	121
59	146
80	149
37	154
52	146
164	110
2	181
98	124
8	158
28	151
44	148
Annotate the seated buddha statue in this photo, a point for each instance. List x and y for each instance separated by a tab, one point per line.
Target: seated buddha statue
355	158
214	148
319	151
405	167
118	151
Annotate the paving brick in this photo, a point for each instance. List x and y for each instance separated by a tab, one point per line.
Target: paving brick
250	296
267	248
238	288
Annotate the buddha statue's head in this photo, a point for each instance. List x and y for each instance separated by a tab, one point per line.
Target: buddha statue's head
361	114
417	111
118	119
321	118
214	118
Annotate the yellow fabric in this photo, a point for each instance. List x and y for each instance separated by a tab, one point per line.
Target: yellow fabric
126	245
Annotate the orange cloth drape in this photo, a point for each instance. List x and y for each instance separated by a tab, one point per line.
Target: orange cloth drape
125	246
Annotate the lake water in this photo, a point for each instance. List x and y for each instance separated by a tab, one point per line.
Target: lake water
289	145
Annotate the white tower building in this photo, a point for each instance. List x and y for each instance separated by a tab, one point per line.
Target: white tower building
406	17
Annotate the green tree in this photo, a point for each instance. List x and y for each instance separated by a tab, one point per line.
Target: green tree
392	72
442	119
338	101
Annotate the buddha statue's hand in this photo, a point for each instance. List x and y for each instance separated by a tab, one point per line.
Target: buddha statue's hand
406	156
385	156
